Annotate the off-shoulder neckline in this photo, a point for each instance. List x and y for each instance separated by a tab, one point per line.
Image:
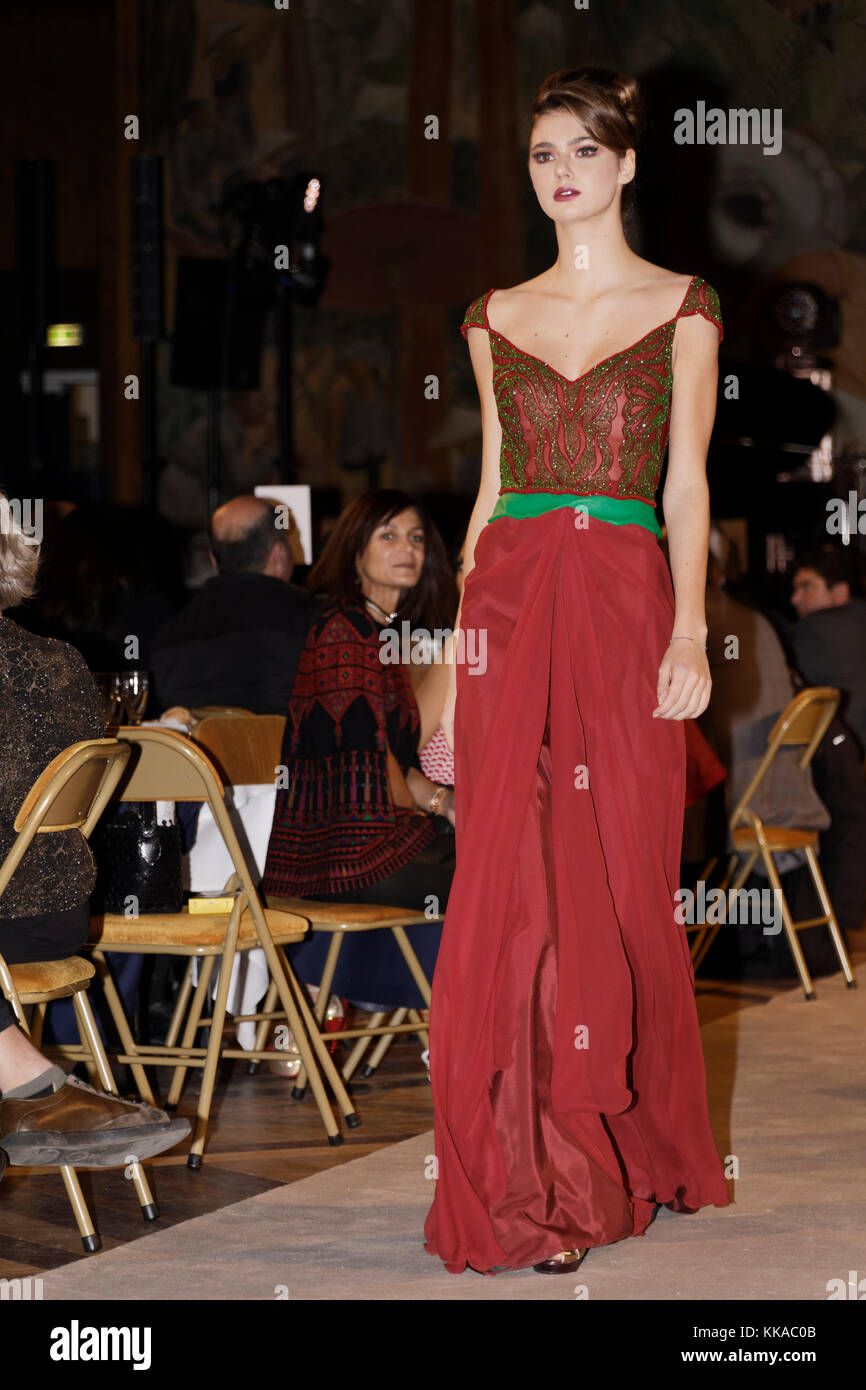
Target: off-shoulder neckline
572	381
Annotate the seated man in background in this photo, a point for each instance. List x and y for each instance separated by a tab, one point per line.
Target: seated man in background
239	638
829	638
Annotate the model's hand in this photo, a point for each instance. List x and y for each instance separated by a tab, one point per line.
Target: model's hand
684	682
446	807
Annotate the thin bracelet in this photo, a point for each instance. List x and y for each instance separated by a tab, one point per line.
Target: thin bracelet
436	799
687	639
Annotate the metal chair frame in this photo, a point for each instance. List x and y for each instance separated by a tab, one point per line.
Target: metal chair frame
803	724
168	766
70	794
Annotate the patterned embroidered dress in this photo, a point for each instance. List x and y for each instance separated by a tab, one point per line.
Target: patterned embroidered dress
568	1080
335	827
337	834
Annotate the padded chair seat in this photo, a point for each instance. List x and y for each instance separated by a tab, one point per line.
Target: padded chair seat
193	929
57	977
330	916
778	837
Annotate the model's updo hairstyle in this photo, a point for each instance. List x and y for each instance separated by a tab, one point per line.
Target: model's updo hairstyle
607	103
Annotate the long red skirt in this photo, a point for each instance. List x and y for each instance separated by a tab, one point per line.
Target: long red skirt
568	1080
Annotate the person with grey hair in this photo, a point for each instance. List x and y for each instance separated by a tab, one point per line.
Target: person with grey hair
48	701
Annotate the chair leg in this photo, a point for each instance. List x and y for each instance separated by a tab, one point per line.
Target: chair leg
180	1006
334	948
89	1239
415	1017
413	963
191	1029
827	908
708	934
361	1045
37	1023
306	1030
89	1034
208	1081
127	1042
383	1044
790	930
264	1026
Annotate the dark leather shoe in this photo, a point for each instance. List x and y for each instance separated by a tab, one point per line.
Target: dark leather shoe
566	1262
81	1126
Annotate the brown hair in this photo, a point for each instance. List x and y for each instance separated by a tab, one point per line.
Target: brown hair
432	602
607	103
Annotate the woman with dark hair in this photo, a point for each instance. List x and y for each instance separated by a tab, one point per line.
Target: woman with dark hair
357	820
565	1057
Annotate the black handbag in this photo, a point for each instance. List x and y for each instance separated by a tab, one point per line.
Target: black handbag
138	862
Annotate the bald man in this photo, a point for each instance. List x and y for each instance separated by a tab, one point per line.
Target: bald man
239	638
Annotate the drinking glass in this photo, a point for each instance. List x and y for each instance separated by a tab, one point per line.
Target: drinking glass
134	688
108	685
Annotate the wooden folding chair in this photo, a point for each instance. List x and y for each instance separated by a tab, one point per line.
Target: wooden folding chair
167	766
248	752
69	795
802	724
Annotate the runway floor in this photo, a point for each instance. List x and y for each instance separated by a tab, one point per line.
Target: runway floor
276	1213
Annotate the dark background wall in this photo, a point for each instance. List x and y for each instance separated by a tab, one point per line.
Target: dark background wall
416	227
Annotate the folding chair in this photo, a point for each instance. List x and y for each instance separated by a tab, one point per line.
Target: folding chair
802	725
247	752
167	766
70	795
339	919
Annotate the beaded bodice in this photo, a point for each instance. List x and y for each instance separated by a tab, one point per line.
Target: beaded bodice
603	433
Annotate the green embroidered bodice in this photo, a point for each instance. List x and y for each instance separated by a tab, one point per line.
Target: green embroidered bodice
601	435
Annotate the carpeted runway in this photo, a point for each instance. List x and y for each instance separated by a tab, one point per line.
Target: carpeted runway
787	1085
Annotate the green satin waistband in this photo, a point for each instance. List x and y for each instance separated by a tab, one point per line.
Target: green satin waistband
620	511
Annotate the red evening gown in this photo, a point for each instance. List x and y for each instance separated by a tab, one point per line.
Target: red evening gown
568	1079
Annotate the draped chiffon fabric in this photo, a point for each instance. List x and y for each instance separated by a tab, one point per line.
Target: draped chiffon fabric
568	1079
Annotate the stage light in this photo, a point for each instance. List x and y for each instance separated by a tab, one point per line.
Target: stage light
64	335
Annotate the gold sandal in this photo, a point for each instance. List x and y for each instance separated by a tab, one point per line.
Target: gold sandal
563	1263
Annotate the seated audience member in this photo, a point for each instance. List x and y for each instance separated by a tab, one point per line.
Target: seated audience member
238	639
752	685
357	820
48	701
829	638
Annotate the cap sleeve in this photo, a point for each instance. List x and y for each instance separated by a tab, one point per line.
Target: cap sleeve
475	316
703	299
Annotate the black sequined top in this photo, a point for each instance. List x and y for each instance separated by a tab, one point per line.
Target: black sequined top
48	700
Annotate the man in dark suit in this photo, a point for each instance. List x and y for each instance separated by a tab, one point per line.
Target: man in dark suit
829	640
239	638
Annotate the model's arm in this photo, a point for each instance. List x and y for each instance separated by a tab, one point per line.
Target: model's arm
684	675
488	491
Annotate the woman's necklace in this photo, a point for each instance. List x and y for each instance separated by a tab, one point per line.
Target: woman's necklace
389	617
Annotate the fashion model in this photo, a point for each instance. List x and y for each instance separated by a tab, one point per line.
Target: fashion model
568	1080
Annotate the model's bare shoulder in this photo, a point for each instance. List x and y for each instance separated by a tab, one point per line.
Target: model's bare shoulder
509	306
